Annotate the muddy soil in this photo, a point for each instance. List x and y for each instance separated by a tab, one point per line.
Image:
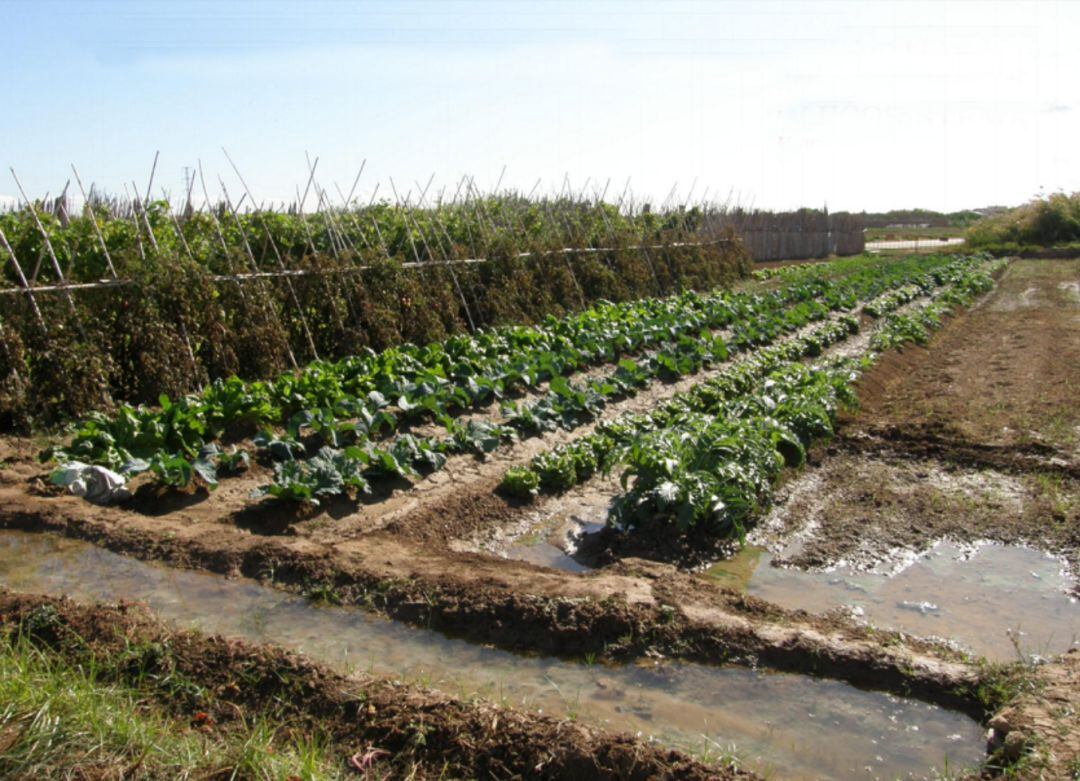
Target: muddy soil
408	570
867	510
974	437
400	561
1004	374
631	610
416	732
1037	734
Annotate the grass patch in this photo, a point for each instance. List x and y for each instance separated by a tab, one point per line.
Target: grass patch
63	720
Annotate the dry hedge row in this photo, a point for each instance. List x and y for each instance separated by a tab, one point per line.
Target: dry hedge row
174	327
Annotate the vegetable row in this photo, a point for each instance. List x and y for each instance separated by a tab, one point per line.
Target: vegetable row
335	470
355	408
705	462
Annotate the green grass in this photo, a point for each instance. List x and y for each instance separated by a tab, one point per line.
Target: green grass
1049	221
59	721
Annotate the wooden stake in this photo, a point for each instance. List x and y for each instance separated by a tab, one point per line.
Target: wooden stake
254	267
277	254
52	253
22	281
89	209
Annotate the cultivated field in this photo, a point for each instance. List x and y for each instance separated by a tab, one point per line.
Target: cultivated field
587	490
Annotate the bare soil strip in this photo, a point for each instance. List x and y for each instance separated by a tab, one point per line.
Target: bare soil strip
1006	373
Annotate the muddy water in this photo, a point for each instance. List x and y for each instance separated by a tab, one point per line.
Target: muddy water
552	535
792	726
995	600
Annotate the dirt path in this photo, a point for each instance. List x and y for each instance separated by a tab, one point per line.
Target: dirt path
1006	374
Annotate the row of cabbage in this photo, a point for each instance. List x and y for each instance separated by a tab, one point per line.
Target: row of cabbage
353	410
705	462
335	470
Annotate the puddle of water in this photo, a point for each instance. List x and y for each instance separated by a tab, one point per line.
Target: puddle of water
798	726
974	598
545	554
553	536
556	548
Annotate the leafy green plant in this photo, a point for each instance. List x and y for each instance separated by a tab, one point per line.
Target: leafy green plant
704	461
328	473
477	436
520	482
178	472
420	453
280	448
233	462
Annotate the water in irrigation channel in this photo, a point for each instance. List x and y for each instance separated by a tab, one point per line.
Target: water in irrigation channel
793	726
999	601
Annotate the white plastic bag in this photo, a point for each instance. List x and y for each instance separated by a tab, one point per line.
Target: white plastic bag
94	483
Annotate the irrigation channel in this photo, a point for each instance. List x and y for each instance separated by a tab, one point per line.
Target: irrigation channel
790	726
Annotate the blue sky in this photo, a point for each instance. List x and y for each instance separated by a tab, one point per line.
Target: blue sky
851	104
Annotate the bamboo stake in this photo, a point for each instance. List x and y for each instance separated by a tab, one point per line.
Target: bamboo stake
214	219
23	282
412	244
248	276
354	310
320	209
453	275
52	253
150	183
89	209
138	226
140	211
153	242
